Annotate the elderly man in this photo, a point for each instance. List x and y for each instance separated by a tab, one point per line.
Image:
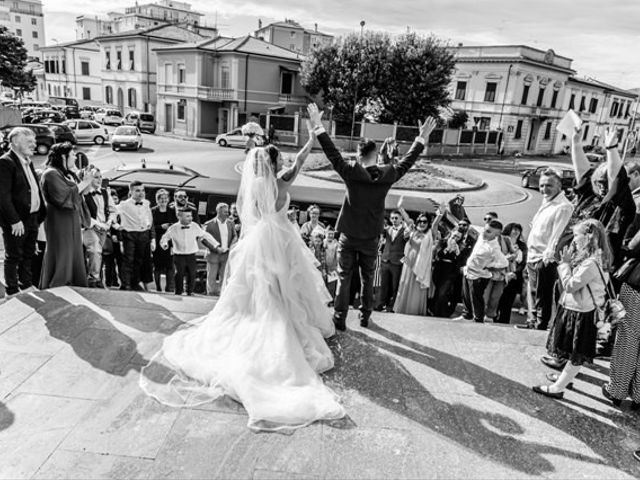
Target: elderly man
103	214
222	229
547	228
22	209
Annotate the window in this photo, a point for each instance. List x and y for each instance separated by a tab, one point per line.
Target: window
292	47
586	133
554	99
132	97
182	73
540	97
34	21
627	113
224	77
108	94
180	113
84	125
64	66
49	88
107	60
525	95
168	73
19	32
18	19
621	111
547	131
286	83
34	34
293	34
490	92
572	101
84	67
583	101
132	63
119	60
86	93
518	133
593	105
461	90
46	66
485	123
614	109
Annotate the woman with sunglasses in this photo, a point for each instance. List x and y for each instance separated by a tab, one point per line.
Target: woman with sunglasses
415	280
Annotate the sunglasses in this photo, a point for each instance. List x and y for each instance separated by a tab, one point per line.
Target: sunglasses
423	221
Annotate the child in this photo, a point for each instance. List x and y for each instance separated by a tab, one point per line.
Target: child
316	245
331	261
184	236
583	271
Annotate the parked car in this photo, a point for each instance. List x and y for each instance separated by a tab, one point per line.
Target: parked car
44	136
62	133
126	136
88	131
71	111
531	177
108	116
145	122
44	116
234	138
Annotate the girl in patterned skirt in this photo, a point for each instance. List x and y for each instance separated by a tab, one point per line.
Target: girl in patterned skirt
583	271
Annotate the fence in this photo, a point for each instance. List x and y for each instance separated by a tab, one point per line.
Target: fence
289	130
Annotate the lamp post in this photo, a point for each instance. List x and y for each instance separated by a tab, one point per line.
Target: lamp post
355	94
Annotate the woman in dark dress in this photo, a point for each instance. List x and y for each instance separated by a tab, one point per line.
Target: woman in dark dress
63	262
163	218
514	287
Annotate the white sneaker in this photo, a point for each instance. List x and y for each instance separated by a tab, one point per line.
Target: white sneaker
31	289
460	319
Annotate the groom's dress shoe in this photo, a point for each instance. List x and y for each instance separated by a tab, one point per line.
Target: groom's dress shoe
340	323
364	320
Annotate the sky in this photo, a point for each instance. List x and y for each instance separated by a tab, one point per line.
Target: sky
602	38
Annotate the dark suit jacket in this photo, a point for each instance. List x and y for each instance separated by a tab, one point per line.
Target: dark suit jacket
212	228
362	213
15	192
393	250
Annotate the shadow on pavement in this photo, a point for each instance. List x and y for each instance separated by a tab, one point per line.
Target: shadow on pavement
6	417
362	365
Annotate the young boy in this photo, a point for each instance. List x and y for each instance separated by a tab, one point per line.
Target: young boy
184	237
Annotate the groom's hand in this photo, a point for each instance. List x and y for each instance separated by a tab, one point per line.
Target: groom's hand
427	127
315	115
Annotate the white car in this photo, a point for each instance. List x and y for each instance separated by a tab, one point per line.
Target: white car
87	131
126	136
235	138
108	116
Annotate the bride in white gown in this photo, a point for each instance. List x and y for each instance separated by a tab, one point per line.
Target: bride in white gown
263	343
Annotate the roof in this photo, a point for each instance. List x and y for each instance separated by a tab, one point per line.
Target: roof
166	31
457	47
294	25
247	45
69	44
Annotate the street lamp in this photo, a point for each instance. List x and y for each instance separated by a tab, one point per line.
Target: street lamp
355	94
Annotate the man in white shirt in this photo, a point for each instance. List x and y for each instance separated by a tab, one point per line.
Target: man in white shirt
138	238
184	237
103	214
547	228
22	209
485	257
223	230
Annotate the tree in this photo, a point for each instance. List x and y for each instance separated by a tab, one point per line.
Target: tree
406	78
13	60
459	119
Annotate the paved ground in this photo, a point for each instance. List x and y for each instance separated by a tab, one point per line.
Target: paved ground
427	398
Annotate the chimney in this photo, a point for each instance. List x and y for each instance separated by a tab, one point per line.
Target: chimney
460	44
259	23
316	25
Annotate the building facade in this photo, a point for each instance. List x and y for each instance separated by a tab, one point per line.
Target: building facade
137	17
213	86
524	92
293	36
24	18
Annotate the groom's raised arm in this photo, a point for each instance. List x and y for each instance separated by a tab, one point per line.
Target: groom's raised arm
340	165
414	152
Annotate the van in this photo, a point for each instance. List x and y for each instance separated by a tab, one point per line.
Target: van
145	122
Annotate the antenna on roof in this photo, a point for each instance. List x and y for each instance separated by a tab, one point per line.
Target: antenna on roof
170	164
144	163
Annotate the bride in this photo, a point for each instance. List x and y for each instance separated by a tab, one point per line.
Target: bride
263	343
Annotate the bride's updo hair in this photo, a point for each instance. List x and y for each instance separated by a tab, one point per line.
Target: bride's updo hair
274	154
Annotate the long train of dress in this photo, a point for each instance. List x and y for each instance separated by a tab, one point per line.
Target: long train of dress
263	342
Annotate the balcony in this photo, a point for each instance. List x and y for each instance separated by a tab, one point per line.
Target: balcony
216	94
202	92
285	99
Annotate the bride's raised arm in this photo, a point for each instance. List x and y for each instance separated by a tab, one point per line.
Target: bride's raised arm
292	172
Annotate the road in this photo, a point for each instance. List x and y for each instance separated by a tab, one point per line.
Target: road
502	195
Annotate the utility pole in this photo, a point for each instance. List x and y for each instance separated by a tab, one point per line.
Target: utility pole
355	95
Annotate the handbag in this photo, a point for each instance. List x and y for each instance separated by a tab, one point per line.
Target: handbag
613	311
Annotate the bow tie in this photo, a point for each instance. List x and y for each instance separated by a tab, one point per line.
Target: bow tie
139	203
94	193
185	227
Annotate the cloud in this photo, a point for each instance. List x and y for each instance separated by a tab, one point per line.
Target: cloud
601	37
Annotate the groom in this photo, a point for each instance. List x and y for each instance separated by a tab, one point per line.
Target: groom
361	219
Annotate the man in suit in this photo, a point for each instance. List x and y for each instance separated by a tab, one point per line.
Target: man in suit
395	239
222	228
361	219
181	202
22	209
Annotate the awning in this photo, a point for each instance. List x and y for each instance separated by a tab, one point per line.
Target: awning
276	107
286	69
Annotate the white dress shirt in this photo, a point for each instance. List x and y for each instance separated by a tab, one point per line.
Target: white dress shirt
133	217
33	184
224	233
485	255
394	233
547	226
184	238
99	201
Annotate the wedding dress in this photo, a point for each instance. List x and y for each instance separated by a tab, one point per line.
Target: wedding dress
263	343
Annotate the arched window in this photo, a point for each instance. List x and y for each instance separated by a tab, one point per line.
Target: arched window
108	95
132	97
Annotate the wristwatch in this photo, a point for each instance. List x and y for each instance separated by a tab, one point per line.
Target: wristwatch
611	147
